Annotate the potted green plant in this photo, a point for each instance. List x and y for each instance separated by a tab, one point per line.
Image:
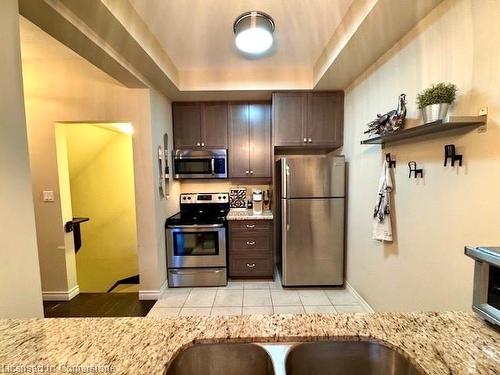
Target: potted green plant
434	101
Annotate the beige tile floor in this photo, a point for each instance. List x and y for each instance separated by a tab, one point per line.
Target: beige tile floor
254	297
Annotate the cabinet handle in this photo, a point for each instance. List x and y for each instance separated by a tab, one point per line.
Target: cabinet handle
250	243
250	226
246	172
202	144
305	140
250	265
251	172
198	144
310	140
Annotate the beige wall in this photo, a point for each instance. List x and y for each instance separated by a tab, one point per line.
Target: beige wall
102	188
161	123
73	90
425	268
20	292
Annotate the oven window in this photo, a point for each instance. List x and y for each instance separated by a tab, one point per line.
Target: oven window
195	244
494	287
193	166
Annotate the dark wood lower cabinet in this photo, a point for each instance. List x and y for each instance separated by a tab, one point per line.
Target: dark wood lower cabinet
250	266
251	248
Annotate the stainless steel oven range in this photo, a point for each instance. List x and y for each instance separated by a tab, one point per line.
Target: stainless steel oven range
486	298
196	241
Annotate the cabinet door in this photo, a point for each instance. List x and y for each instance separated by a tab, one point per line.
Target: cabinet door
325	125
289	118
259	116
214	125
238	141
187	125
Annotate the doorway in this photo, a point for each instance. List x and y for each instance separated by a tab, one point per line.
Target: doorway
95	162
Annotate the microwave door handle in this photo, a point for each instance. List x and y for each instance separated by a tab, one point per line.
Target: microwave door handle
213	166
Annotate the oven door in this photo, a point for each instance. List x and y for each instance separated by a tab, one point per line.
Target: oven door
200	164
196	246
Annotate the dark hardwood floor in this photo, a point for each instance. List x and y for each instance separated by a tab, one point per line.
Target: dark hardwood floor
86	305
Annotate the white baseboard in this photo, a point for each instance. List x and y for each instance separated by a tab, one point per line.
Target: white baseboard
365	304
153	294
63	295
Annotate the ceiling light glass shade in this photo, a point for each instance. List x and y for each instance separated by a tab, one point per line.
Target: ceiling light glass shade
254	32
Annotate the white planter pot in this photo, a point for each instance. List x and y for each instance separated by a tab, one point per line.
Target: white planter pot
435	112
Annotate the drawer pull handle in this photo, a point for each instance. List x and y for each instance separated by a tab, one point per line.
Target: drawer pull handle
250	225
250	243
250	265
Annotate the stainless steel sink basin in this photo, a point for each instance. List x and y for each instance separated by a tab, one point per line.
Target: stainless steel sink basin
222	359
346	358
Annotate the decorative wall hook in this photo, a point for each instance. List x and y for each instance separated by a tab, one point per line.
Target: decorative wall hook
390	163
413	169
450	153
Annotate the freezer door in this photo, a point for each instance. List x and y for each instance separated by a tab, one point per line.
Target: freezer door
312	242
312	176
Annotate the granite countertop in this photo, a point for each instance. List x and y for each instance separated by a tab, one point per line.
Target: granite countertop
235	214
438	343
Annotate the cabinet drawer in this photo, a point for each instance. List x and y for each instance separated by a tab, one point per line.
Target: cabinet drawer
249	226
250	266
242	241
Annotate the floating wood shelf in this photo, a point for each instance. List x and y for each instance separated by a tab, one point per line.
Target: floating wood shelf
454	122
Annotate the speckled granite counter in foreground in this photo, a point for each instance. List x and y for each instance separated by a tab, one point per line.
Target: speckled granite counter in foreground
438	343
249	215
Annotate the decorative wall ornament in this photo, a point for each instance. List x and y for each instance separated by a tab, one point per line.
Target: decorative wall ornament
238	197
416	171
161	190
391	121
390	163
166	169
450	153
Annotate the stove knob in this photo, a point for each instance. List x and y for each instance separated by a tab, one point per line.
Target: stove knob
219	197
189	198
183	198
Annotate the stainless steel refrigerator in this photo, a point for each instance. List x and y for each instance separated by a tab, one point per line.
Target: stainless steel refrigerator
310	220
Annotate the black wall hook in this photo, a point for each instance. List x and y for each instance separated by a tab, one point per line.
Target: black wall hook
416	171
450	153
390	163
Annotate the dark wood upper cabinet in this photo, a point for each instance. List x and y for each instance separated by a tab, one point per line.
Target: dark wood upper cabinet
289	118
259	116
200	125
250	140
239	163
321	115
214	125
187	125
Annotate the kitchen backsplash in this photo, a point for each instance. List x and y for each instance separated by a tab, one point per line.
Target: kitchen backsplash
208	186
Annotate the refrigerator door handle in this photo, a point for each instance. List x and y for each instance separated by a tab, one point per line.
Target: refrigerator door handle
287	179
287	212
284	235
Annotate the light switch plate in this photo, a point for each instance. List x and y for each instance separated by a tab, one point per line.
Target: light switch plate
48	196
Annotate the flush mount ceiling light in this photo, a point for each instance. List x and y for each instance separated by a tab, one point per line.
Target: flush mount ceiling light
253	32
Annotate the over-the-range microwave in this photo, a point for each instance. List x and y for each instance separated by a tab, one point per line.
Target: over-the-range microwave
486	297
200	163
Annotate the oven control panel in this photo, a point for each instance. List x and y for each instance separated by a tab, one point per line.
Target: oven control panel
187	198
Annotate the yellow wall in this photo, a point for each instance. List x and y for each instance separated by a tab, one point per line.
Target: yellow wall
425	268
20	293
102	188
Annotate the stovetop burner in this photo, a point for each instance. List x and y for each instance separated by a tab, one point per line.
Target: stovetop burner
201	209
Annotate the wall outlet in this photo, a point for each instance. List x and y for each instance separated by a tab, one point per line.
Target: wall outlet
48	196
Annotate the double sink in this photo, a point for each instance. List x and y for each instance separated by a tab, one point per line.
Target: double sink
318	358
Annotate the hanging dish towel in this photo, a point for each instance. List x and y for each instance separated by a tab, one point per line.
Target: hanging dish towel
382	229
